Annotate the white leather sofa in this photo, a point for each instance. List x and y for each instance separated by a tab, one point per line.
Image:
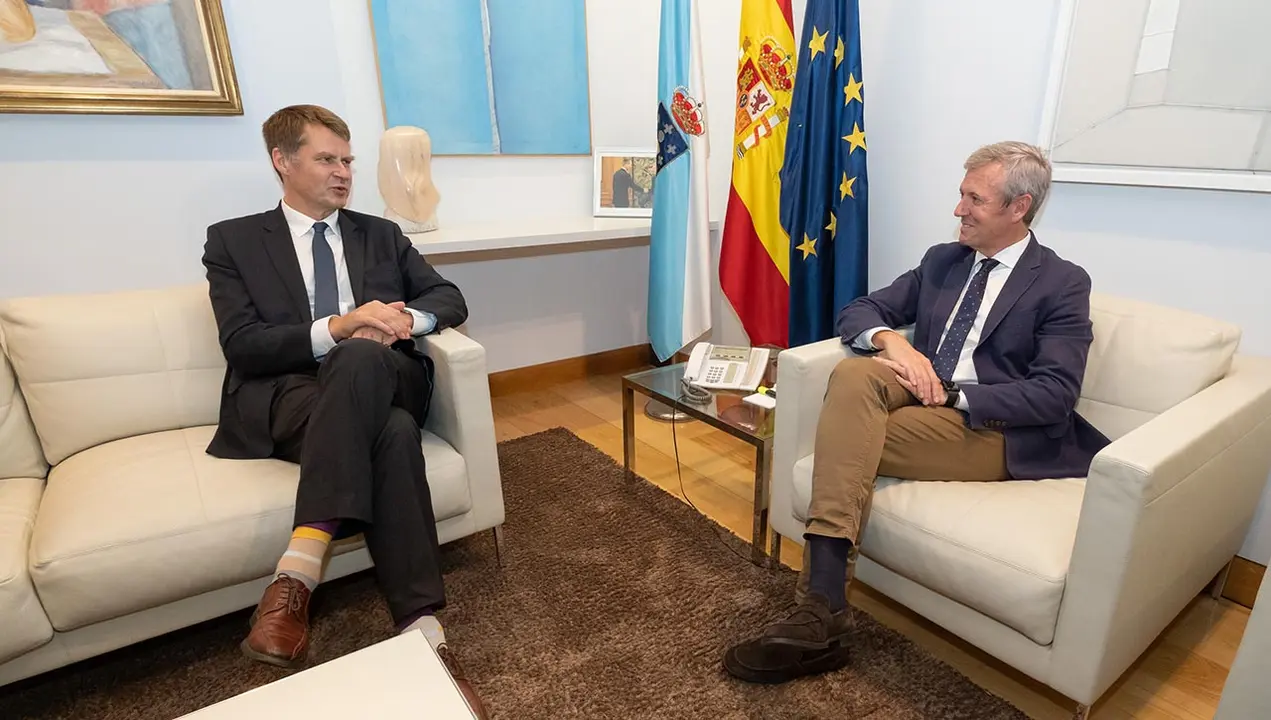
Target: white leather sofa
135	531
1068	580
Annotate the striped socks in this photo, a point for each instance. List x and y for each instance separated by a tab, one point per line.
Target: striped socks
306	553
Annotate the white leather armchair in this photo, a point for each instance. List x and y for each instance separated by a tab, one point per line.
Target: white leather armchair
462	415
107	404
1070	579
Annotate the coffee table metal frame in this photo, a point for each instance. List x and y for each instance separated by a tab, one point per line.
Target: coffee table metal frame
748	423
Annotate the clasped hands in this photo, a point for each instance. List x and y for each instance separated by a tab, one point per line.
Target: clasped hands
383	323
913	369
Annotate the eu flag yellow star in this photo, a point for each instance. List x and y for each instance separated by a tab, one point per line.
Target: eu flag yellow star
817	43
856	139
845	187
852	90
807	247
834	222
839	50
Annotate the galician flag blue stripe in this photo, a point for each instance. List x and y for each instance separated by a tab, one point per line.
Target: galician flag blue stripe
679	242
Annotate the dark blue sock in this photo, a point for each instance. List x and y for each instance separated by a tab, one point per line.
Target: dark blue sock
829	568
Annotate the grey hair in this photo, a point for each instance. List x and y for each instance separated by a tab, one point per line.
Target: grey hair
1026	168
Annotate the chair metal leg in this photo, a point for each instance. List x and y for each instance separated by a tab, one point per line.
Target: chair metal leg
1215	591
1082	712
774	548
498	544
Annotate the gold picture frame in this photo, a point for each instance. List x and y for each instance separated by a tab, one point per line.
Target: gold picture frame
167	59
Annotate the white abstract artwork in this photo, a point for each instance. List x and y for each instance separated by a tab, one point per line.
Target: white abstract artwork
1162	92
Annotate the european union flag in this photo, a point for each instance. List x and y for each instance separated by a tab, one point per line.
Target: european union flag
824	190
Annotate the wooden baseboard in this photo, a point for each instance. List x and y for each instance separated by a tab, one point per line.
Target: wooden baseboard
1243	581
535	377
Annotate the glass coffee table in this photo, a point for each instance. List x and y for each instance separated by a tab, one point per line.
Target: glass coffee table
724	411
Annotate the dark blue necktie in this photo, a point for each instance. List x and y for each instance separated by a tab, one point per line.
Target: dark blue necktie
947	356
326	294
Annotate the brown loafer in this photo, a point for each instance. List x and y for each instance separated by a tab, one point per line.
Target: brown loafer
810	626
755	662
280	625
461	680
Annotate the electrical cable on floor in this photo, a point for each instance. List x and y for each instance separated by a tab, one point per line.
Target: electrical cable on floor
682	398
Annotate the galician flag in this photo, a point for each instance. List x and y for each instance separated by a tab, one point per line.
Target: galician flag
679	242
754	260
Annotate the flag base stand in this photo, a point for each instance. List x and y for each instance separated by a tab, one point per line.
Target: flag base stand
659	410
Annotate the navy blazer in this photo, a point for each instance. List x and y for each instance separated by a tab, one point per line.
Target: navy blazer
1030	360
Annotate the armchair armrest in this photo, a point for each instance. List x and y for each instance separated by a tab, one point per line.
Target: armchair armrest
461	414
802	375
1165	507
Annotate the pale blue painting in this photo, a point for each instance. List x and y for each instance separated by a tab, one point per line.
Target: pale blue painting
486	77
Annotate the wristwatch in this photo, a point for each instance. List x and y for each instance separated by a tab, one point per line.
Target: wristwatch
951	391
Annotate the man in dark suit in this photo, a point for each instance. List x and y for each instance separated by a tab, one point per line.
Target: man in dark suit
987	391
624	186
316	308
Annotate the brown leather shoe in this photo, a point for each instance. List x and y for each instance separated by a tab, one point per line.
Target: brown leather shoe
810	626
280	625
461	680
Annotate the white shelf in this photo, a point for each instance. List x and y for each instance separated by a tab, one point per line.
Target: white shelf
529	233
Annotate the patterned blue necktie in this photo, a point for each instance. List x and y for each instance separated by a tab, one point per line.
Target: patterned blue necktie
326	294
947	356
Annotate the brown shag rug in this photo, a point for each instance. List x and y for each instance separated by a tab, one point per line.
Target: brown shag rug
616	601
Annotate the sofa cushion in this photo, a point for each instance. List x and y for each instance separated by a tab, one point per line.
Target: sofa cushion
22	456
139	522
1001	548
95	368
21	615
1146	359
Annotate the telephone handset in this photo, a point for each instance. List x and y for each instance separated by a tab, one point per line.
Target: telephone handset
725	367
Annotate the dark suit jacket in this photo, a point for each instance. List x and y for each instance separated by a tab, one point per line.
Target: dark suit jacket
1030	360
262	309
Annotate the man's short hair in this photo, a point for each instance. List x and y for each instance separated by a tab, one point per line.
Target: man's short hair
285	129
1026	170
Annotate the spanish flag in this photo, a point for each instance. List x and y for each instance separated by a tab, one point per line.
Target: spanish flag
754	262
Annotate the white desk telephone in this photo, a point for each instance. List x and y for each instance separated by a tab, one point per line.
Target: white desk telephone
724	367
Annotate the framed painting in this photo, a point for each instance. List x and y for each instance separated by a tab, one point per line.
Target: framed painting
623	184
1168	93
486	77
155	57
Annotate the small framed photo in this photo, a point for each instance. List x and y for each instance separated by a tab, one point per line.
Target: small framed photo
624	182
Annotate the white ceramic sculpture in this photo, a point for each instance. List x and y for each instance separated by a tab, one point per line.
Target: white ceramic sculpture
405	179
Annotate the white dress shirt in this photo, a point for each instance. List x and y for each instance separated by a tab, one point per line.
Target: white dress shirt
301	227
964	372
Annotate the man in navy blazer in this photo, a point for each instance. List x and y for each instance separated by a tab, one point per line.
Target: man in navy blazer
987	391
